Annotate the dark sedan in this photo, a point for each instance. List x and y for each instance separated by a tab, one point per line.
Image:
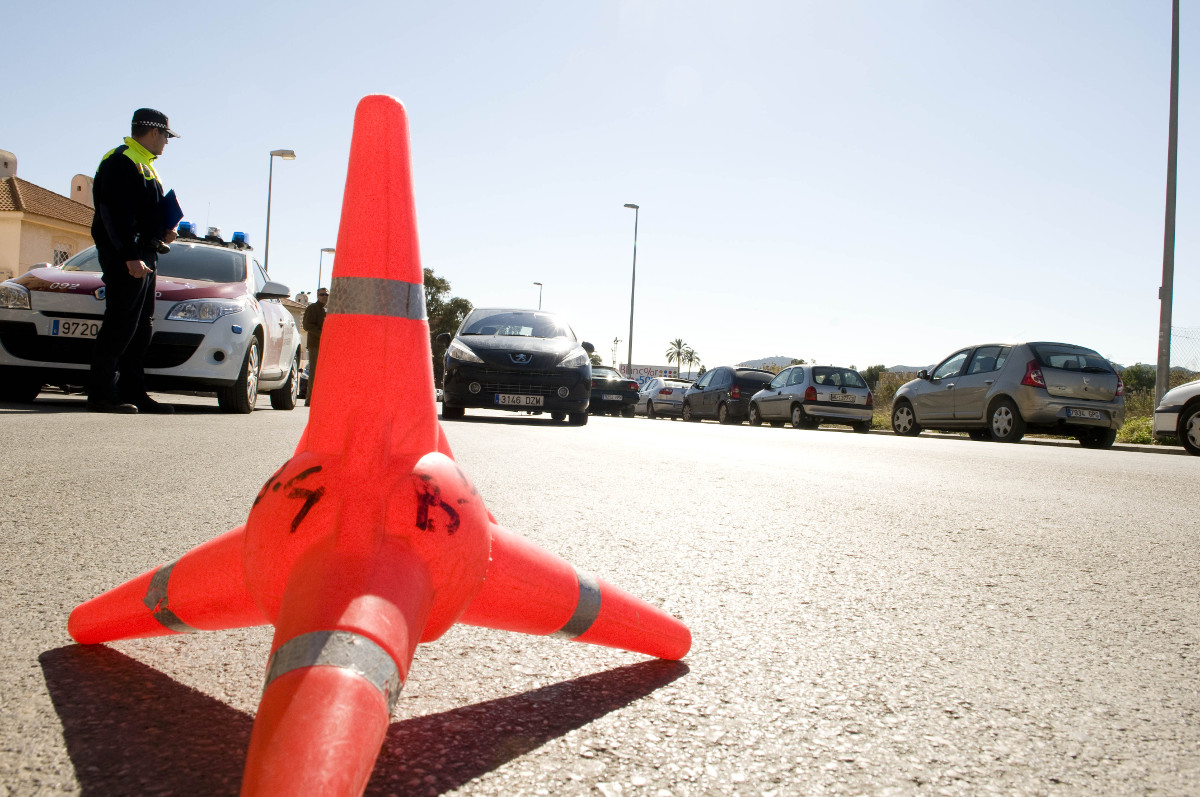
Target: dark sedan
724	393
612	392
519	360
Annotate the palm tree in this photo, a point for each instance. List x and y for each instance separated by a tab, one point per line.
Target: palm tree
689	357
677	352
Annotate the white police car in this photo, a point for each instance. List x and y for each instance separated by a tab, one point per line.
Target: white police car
218	325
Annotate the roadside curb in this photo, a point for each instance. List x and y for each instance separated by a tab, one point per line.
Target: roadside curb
1050	441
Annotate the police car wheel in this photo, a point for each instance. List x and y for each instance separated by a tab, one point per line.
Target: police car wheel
242	395
284	398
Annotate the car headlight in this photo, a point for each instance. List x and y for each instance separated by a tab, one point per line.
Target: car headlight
205	311
14	296
575	359
460	352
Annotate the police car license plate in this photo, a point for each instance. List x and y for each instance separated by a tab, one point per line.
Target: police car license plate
841	397
1094	415
70	328
509	400
611	396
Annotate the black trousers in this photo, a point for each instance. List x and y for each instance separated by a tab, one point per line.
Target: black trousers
119	357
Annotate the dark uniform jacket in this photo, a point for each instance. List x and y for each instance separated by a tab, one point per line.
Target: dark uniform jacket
314	319
127	196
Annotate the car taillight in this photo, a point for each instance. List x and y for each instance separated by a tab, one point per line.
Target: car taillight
735	392
870	399
593	383
1033	375
666	391
1120	386
632	385
810	394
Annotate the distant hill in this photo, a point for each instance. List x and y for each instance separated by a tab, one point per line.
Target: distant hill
779	362
906	369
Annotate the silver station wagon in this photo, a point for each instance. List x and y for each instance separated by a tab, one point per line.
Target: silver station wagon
1000	391
809	395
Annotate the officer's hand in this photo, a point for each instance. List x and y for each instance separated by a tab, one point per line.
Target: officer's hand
137	269
169	236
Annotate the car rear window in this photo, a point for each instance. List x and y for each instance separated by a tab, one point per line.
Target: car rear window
600	372
185	261
515	323
754	378
1069	358
837	377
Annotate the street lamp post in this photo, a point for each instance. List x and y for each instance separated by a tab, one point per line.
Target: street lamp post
632	289
321	264
539	294
287	155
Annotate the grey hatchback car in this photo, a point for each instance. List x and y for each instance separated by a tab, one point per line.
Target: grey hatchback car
999	391
809	395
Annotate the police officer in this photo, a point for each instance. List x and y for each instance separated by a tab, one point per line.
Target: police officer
314	320
130	230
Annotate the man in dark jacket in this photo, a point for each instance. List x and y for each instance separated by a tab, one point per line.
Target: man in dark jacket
314	319
129	229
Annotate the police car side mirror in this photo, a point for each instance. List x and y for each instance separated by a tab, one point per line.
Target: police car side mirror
589	348
443	339
273	290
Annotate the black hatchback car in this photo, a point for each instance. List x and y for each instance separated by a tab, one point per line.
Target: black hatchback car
612	392
724	393
519	360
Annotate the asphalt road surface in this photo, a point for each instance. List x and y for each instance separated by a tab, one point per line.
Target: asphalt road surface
871	614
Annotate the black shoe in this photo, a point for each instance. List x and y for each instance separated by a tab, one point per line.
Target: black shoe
148	405
106	405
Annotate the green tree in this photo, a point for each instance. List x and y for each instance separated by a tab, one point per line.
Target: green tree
445	313
596	359
1139	377
872	375
676	353
690	358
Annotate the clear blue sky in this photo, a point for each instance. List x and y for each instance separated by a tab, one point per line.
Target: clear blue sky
856	182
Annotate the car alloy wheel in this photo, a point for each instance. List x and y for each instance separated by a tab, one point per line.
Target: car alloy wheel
687	412
904	420
1189	428
755	416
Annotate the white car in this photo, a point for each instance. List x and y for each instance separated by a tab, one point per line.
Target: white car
1178	416
218	326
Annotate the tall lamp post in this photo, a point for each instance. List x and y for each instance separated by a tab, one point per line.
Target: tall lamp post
321	264
287	155
1162	374
539	294
632	289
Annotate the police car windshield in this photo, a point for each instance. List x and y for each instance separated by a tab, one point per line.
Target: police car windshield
185	261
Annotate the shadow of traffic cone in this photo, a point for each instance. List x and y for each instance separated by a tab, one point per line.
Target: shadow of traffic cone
370	539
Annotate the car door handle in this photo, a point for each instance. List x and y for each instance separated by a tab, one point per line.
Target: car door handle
988	381
950	386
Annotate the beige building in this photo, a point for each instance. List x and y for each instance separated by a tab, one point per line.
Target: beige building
38	225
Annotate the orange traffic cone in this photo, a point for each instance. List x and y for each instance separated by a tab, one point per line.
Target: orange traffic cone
370	539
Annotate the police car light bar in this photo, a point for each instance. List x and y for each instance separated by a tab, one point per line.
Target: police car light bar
186	230
214	234
239	239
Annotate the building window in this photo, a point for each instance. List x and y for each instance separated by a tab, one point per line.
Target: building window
61	254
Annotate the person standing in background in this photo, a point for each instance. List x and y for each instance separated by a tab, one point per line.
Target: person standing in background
314	319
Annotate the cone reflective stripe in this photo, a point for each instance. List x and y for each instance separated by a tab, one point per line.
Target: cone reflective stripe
205	589
370	539
533	591
329	690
